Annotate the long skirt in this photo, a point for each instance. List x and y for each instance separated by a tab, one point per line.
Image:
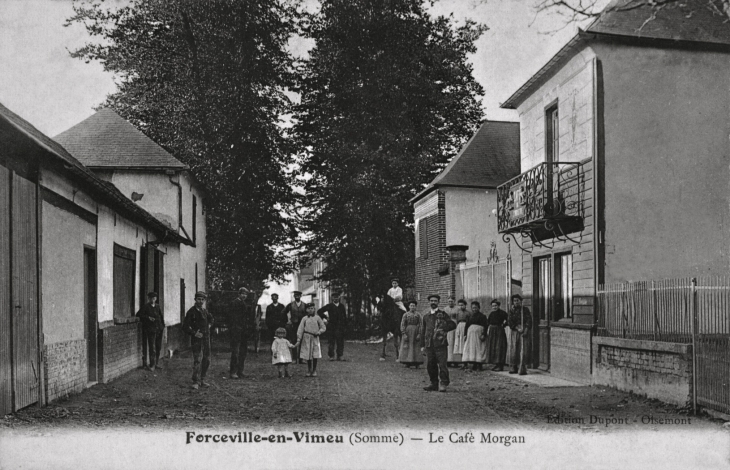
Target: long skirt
309	349
459	339
475	350
409	352
451	356
496	345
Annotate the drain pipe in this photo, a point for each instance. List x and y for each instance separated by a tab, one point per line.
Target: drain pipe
171	174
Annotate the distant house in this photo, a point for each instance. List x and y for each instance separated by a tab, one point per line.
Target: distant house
146	173
313	291
624	177
72	250
456	220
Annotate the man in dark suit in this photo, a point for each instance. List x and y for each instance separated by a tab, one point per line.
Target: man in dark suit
335	317
295	311
434	344
240	326
275	316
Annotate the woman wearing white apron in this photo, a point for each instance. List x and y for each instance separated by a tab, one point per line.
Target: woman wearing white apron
475	346
459	333
452	311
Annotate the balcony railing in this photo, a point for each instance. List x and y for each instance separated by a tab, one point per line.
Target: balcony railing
543	201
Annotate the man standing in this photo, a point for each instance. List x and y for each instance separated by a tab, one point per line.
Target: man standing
241	325
520	322
295	311
197	324
153	328
275	316
336	316
434	344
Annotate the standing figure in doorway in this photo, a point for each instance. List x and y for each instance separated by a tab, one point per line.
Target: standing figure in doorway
520	323
197	324
337	324
436	324
153	329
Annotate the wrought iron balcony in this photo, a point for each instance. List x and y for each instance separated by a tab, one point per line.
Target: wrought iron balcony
543	202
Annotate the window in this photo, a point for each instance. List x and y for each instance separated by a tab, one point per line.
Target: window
552	134
544	287
125	262
196	278
564	285
195	218
422	229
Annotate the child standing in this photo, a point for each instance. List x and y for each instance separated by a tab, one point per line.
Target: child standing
281	352
308	337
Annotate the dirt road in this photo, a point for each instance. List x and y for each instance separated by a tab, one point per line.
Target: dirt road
361	391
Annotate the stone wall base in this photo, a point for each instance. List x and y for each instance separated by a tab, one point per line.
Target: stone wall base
66	368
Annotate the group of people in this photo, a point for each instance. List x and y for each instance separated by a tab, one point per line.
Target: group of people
445	337
454	336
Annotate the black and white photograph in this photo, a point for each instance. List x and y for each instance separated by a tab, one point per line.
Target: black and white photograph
364	234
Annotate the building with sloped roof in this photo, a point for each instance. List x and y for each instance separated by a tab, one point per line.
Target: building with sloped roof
117	152
75	256
455	219
623	177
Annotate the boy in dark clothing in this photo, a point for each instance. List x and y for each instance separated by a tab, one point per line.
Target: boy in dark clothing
197	324
520	323
153	328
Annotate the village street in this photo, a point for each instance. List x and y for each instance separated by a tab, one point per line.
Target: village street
360	393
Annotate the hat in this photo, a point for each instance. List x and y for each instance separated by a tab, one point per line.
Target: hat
275	294
336	294
438	297
201	294
297	292
243	290
152	294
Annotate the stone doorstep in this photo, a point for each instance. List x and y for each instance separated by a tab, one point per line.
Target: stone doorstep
543	379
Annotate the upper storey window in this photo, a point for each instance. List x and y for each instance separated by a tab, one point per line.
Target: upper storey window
552	134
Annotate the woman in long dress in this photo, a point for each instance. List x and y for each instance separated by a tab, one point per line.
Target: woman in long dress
410	327
475	346
462	315
452	310
308	338
496	336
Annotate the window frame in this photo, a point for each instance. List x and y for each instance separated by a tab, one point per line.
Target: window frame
126	258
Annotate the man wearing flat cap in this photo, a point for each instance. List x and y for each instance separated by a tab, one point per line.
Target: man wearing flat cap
197	324
434	344
241	319
275	316
335	316
153	329
295	311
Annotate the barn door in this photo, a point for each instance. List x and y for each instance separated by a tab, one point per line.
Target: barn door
6	378
24	262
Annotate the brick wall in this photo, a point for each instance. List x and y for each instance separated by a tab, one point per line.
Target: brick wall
428	279
65	368
121	350
652	369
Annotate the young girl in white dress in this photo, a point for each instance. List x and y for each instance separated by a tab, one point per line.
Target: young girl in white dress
281	352
308	337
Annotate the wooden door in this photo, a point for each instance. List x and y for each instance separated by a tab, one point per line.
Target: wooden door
24	259
6	377
91	320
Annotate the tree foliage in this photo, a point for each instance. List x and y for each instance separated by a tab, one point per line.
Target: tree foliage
207	81
387	98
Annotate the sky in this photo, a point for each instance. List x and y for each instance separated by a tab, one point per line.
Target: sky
44	85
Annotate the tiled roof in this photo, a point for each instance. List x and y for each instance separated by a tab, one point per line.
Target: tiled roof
686	20
106	140
106	192
689	21
491	157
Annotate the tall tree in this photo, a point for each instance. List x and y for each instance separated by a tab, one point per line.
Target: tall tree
387	98
207	81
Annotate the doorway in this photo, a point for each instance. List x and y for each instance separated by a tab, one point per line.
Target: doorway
90	315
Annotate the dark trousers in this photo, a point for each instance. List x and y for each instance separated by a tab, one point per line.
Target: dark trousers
337	339
200	347
436	365
151	346
239	348
521	347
